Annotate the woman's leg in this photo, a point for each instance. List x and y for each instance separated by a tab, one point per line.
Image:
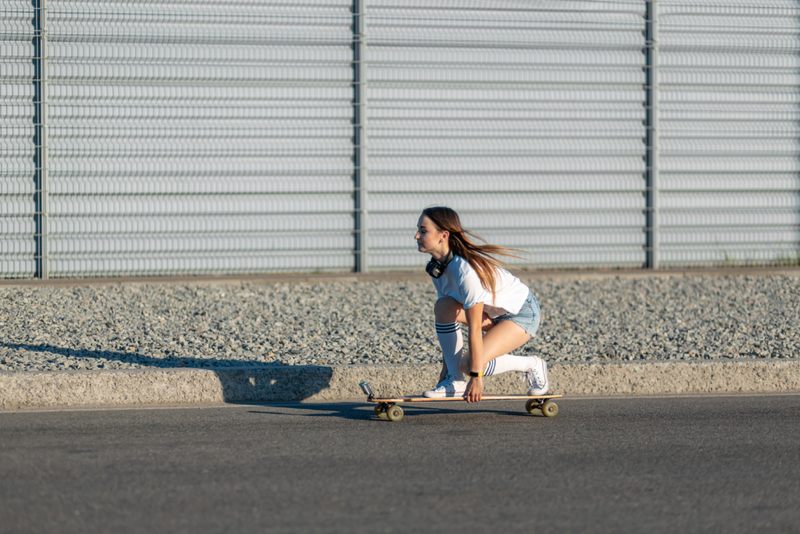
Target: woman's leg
498	341
448	313
449	310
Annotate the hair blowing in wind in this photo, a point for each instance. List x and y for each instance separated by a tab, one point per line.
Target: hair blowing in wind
479	256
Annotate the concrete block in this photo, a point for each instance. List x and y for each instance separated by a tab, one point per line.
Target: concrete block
23	390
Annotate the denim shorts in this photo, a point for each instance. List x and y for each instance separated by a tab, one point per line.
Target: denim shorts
528	316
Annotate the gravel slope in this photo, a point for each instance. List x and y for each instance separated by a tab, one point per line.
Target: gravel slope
201	325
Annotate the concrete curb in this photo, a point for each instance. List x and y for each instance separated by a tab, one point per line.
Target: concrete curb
27	390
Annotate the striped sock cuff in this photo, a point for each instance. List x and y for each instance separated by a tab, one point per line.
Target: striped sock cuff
490	368
447	328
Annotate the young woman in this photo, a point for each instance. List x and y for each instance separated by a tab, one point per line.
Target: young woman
500	311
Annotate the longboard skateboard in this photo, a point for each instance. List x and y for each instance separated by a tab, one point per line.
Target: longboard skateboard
386	407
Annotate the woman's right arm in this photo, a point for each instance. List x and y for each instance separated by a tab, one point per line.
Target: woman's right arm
475	319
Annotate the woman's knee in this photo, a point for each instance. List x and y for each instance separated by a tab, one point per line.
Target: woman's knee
446	310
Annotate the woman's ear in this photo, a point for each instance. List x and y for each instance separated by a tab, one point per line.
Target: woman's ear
445	236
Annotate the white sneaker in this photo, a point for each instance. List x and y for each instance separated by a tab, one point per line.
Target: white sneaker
537	377
449	387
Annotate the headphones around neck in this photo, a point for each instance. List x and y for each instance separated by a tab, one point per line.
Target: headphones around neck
436	268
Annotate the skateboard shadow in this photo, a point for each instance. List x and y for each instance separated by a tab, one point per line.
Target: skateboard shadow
365	410
240	380
475	408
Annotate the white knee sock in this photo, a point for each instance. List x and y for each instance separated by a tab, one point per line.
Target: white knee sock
452	343
509	362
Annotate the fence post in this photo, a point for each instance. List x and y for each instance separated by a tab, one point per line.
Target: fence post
652	90
360	134
42	184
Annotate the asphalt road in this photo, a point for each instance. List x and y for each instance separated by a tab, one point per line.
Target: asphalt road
678	464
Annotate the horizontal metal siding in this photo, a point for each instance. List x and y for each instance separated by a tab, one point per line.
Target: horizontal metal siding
218	137
527	118
18	145
730	191
196	138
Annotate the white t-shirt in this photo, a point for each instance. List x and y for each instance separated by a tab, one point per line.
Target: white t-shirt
461	282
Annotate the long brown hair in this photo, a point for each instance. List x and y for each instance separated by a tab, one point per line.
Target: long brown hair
479	256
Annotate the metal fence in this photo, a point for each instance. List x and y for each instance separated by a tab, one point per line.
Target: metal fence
154	137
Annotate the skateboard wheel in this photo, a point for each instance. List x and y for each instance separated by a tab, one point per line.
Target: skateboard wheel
380	410
394	413
532	404
549	409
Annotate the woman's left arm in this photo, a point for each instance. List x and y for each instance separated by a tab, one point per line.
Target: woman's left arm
474	322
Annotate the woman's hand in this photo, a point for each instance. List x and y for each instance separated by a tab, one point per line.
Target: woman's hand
474	389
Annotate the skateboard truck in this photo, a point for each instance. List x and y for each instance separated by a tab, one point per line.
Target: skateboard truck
367	389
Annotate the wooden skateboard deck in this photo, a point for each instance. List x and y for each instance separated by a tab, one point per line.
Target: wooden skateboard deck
386	407
420	398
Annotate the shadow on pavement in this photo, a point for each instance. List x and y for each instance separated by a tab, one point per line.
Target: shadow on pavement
365	410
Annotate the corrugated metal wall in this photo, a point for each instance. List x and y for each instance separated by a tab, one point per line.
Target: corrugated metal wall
196	138
223	137
525	117
18	156
730	80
